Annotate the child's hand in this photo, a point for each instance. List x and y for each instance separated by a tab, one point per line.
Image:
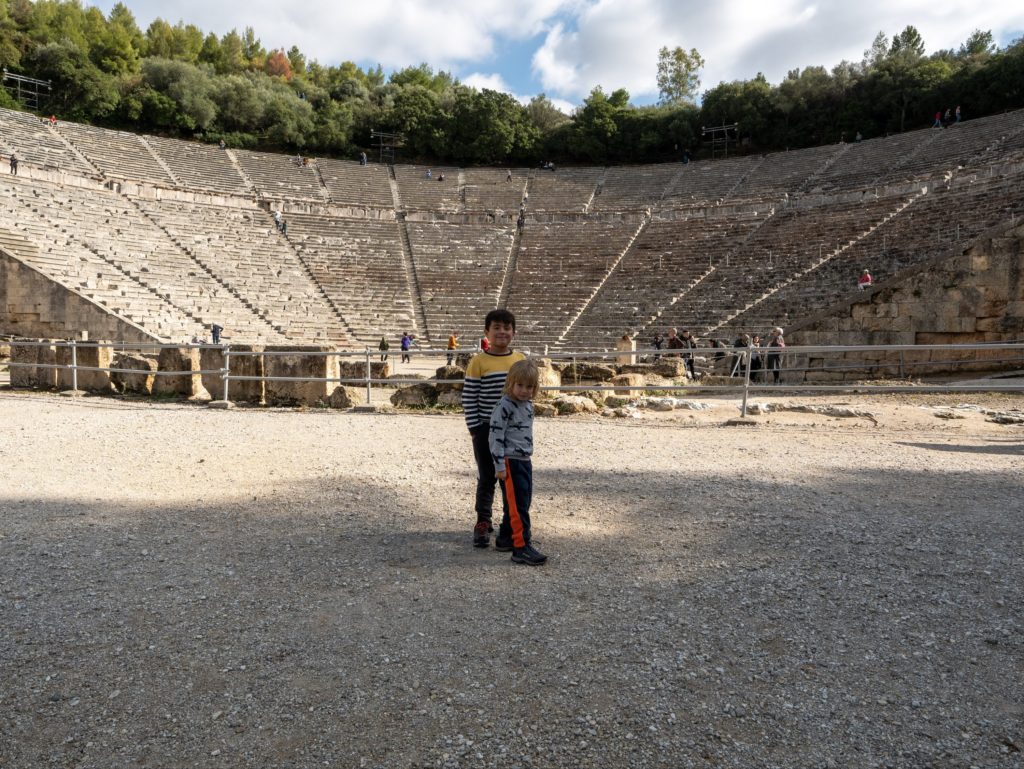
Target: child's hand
500	475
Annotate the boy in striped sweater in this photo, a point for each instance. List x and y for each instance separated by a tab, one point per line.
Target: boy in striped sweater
481	391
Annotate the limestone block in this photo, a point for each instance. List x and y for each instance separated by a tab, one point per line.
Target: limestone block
421	394
5	351
463	358
574	404
344	397
142	382
548	377
636	368
449	372
544	410
87	355
23	376
46	378
240	391
673	368
629	380
587	372
188	385
299	366
353	368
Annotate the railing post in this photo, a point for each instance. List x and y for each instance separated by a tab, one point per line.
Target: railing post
74	366
746	380
369	369
225	373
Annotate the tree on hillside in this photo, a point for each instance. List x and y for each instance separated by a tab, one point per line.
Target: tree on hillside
678	70
907	43
978	46
544	114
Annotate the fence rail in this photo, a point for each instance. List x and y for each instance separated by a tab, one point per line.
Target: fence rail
736	360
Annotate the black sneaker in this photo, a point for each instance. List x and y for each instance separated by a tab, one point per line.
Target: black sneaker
503	545
482	534
529	556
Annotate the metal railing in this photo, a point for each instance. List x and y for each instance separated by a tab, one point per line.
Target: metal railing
704	362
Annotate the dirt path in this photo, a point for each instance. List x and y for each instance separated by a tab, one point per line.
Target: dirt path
268	588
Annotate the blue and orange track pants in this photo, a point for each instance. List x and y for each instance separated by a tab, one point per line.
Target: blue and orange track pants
516	496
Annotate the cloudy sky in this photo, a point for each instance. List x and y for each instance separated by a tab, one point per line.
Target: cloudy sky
566	47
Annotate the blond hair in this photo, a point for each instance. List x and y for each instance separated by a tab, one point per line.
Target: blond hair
523	372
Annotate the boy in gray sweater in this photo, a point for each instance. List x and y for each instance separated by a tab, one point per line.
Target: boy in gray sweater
511	443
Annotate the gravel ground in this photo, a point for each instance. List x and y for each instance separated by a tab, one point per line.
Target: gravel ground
184	587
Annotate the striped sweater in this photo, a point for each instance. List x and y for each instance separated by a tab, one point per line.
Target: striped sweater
481	389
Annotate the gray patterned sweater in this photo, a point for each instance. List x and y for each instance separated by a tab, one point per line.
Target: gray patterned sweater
511	432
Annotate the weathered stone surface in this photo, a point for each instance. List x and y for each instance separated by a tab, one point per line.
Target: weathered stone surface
239	390
574	404
5	351
142	382
188	385
449	372
673	368
46	355
544	409
637	368
449	398
422	394
23	376
586	372
344	397
463	358
91	355
616	401
547	376
303	364
971	297
630	380
353	368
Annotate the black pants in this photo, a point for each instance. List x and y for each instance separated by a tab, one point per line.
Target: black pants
774	365
485	478
516	496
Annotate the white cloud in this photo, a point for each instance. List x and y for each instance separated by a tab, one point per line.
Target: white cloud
614	43
584	43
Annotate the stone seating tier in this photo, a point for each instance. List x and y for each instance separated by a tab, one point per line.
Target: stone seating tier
358	263
199	166
419	193
353	184
38	144
280	177
790	241
663	264
243	248
488	189
107	227
559	266
117	154
459	269
932	226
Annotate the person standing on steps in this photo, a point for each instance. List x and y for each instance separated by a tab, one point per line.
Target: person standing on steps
406	347
384	346
215	332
